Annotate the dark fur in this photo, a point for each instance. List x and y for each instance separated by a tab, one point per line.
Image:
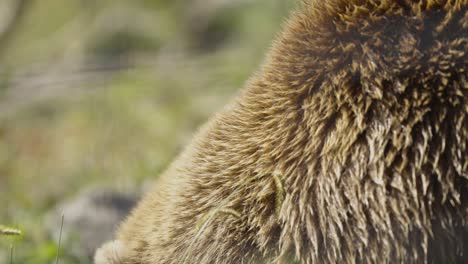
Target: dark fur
350	145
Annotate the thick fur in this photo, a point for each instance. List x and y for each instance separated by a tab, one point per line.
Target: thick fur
350	145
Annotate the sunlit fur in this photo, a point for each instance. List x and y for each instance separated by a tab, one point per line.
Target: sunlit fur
350	144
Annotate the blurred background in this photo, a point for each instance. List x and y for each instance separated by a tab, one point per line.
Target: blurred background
98	96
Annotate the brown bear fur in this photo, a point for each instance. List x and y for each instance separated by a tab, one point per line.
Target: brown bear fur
349	145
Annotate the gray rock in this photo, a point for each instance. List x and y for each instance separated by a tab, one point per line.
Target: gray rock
90	219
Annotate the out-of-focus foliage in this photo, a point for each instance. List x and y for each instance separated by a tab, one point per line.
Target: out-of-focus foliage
107	93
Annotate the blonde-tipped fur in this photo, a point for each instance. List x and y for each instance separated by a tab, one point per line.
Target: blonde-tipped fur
350	145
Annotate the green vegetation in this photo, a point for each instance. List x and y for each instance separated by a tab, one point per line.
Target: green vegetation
106	93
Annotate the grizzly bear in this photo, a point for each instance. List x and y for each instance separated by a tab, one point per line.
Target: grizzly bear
350	145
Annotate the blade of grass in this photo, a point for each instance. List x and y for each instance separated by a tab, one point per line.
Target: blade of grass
11	253
59	242
212	214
